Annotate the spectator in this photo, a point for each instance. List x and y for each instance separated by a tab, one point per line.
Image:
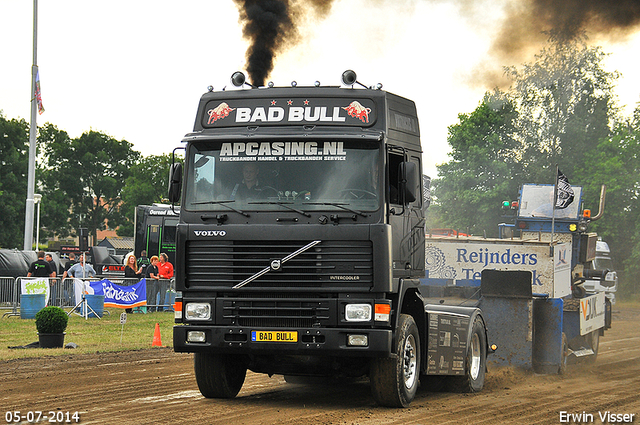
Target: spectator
49	259
165	268
82	270
151	276
67	285
70	263
143	261
53	283
131	272
41	268
165	272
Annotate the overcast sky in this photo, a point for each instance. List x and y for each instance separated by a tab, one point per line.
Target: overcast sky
135	69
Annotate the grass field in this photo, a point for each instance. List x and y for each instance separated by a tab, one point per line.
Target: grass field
91	335
106	334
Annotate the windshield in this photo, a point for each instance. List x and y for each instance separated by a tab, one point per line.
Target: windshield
537	201
275	176
601	263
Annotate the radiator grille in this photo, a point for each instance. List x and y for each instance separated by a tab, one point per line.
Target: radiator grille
329	264
277	313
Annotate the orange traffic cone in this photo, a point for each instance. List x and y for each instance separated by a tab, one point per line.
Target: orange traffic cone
157	342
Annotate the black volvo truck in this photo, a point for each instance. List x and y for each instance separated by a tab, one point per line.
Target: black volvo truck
300	244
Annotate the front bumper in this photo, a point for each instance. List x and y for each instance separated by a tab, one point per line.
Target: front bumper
310	341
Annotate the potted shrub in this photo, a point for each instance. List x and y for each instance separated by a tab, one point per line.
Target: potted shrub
51	322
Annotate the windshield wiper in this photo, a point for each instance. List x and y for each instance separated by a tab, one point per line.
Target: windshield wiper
339	205
224	204
282	204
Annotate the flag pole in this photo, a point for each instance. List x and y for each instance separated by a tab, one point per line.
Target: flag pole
33	129
553	209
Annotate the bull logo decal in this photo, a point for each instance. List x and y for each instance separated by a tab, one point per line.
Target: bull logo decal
219	112
356	110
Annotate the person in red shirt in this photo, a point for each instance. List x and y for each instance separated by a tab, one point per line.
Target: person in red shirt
165	268
165	272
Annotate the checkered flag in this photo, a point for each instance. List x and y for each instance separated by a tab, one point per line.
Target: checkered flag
564	197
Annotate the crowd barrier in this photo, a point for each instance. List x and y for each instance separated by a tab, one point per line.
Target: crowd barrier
62	293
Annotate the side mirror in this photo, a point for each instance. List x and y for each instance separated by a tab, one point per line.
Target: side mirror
175	182
409	182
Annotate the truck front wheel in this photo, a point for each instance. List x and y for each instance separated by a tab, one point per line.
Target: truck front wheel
394	380
475	363
219	376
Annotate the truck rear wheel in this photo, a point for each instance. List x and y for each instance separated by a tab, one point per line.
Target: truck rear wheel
219	376
475	363
394	380
593	339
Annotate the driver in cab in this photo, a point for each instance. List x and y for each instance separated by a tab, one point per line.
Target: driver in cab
250	187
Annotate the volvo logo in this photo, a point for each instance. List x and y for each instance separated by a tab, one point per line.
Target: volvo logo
275	265
210	233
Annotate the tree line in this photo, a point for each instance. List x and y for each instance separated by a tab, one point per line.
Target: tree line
92	181
560	110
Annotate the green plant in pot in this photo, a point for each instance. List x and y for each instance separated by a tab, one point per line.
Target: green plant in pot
51	322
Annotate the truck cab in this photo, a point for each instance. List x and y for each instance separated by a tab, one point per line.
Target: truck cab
603	262
300	241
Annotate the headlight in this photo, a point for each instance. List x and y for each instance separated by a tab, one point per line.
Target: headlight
197	311
357	312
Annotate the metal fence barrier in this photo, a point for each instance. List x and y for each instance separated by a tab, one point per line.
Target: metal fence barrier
8	294
62	292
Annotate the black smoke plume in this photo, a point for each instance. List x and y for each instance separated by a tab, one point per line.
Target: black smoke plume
526	21
271	26
527	25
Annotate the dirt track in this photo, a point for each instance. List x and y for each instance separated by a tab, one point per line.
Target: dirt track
158	386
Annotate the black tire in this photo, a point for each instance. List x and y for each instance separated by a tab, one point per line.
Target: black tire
475	364
593	339
394	380
564	355
219	376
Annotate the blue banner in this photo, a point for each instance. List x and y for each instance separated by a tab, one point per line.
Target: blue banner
121	296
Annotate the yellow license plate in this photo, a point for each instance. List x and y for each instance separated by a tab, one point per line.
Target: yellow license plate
274	336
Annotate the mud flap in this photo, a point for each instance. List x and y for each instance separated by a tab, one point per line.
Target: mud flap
506	305
548	348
